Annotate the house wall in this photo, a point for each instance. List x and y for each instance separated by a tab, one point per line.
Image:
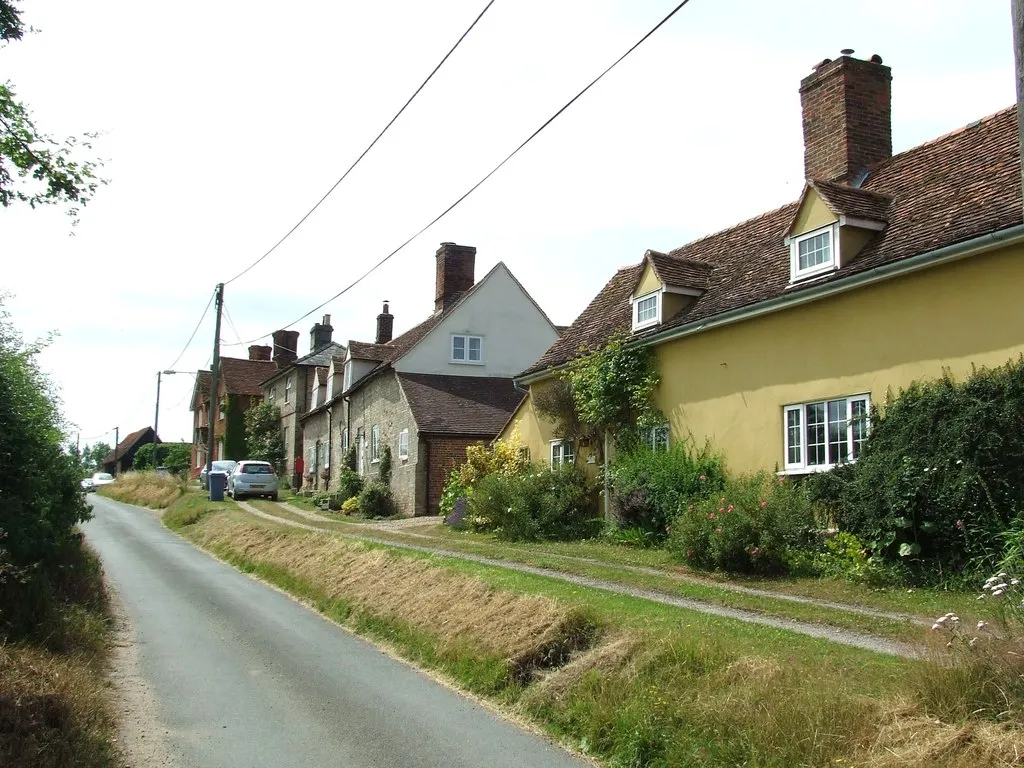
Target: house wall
729	385
515	332
291	427
314	430
382	402
446	453
648	282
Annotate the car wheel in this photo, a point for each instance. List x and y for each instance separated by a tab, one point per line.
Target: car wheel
237	496
273	497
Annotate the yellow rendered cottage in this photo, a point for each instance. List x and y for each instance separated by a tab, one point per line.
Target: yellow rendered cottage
775	337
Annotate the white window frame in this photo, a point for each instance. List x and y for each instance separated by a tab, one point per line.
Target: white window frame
374	443
403	445
347	382
344	439
650	437
797	463
288	389
561	452
637	323
466	341
795	273
327	453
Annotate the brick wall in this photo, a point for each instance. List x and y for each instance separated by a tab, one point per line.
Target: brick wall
847	118
455	273
446	453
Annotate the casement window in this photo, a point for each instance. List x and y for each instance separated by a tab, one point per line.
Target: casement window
375	443
288	389
656	438
467	349
646	310
814	252
348	377
561	453
822	434
344	439
403	444
327	453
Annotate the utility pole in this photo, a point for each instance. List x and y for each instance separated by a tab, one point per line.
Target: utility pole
117	440
212	414
156	415
1017	17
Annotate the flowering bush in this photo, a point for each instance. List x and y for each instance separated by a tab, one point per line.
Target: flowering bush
757	525
502	458
941	477
548	504
651	487
986	676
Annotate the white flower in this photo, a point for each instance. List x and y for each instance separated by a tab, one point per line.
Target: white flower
973	642
982	625
959	461
998	592
926	469
1001	585
940	621
936	626
1015	582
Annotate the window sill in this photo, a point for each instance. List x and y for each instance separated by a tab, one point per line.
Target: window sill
812	470
404	458
645	325
467	362
375	461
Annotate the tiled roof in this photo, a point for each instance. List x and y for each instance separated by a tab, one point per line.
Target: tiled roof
460	405
844	200
362	350
960	186
681	273
128	443
322	357
244	377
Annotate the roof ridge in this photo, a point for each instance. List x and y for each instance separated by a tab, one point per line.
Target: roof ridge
850	188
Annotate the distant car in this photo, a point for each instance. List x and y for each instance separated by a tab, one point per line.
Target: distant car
218	466
253	478
98	479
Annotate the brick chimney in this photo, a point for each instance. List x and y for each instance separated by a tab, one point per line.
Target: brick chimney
456	267
847	116
286	348
258	352
385	325
320	334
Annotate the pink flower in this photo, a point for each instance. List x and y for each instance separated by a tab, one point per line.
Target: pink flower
731	508
711	516
960	524
764	504
702	477
721	509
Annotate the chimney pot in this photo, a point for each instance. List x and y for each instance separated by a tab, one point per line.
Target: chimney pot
286	348
847	117
847	51
320	335
259	352
455	273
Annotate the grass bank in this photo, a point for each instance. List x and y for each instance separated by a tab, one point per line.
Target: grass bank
145	489
55	708
626	681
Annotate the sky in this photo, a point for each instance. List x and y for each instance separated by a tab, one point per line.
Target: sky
222	122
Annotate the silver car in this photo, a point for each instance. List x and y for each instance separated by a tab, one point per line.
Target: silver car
253	478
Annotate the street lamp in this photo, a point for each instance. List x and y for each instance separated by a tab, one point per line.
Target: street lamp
156	415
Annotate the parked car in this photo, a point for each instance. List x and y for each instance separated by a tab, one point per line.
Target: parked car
98	479
218	466
253	478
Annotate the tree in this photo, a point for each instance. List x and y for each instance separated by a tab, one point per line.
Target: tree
40	498
174	456
35	168
263	434
91	457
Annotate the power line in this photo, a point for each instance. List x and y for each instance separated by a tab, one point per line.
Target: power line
366	151
494	170
232	324
194	331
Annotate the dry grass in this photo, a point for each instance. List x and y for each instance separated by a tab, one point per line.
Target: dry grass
145	489
530	632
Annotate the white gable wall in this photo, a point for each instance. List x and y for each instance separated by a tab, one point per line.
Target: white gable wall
514	331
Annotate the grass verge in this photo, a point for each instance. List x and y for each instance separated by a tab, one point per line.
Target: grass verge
145	489
55	710
631	683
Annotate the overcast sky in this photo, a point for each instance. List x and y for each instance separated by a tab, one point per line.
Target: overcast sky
223	122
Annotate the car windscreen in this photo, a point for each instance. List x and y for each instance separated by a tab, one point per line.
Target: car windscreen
256	469
103	476
223	466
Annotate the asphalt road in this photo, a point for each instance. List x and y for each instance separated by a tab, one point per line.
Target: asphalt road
241	675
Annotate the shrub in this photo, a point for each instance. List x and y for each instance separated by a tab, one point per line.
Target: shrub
350	505
651	487
941	477
453	492
375	500
351	460
759	524
384	473
549	504
502	458
350	483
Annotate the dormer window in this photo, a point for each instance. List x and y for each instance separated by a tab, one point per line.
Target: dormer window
814	253
646	310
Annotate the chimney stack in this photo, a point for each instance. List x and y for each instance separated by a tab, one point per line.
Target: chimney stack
847	117
320	334
385	325
259	352
286	348
456	268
